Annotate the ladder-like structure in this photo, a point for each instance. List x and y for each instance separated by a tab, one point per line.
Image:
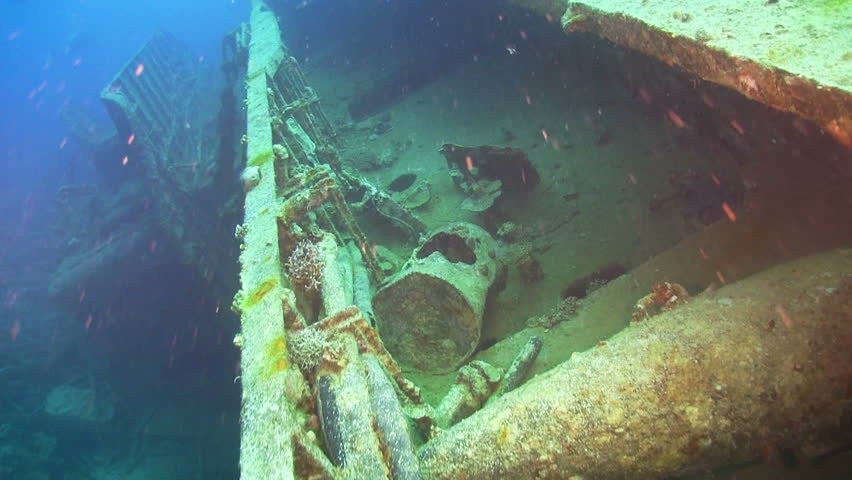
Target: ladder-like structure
312	364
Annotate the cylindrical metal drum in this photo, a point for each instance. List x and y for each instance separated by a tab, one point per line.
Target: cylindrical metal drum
430	313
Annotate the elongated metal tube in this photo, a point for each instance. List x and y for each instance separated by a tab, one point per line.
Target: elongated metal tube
346	414
520	366
757	364
390	423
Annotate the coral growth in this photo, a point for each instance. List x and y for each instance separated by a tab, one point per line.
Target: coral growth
663	297
307	347
305	265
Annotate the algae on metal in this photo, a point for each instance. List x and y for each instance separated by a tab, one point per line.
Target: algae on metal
268	421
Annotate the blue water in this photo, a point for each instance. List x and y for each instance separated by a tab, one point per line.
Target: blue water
135	382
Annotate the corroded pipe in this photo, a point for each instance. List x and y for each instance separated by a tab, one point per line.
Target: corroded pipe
520	366
758	365
346	414
390	422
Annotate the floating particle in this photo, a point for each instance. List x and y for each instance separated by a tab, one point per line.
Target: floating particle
729	212
715	179
737	126
676	119
15	330
11	299
788	322
37	90
646	97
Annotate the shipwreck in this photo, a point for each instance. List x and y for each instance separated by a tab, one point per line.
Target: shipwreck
754	360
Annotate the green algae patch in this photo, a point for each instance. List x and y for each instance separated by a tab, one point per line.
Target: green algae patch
276	356
780	53
261	158
259	293
278	346
831	5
